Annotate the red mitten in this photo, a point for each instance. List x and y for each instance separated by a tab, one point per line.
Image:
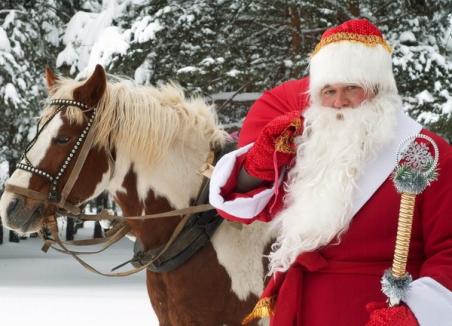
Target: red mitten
274	147
382	315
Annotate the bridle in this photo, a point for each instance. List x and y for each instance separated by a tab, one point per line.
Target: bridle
59	200
82	145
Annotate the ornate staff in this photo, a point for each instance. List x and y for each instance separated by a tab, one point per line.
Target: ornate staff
416	169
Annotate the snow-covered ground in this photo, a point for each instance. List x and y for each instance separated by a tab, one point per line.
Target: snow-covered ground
53	289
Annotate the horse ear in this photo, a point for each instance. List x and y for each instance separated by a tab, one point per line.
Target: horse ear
92	90
51	79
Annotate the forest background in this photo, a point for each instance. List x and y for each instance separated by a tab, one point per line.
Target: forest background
210	48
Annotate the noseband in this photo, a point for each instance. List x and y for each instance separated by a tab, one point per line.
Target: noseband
84	143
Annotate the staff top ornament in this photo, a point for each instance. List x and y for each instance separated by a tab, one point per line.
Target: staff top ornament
416	166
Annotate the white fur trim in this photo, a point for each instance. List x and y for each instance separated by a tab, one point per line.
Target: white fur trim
430	302
351	62
377	171
241	207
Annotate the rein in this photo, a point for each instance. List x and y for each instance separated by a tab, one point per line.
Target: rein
59	200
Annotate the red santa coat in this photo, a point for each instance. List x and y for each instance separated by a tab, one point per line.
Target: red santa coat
332	285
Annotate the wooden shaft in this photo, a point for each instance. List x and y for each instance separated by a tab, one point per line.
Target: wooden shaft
402	247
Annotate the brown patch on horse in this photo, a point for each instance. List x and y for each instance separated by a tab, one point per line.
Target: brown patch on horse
54	158
196	293
51	79
92	90
131	205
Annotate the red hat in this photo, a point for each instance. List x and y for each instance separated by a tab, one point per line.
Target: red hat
354	52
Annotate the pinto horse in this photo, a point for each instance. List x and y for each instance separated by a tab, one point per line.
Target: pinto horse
149	144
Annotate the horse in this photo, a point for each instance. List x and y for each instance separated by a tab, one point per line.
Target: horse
147	148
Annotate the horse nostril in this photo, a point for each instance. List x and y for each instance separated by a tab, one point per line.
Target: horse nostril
13	206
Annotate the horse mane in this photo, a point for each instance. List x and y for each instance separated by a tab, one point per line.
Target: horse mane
146	120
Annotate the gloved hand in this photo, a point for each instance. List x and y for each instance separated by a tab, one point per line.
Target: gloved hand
274	146
382	315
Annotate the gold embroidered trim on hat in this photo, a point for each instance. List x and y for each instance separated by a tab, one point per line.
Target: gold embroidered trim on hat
262	309
284	143
369	40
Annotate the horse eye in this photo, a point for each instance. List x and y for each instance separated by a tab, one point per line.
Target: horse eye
62	140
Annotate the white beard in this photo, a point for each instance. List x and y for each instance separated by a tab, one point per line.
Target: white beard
320	187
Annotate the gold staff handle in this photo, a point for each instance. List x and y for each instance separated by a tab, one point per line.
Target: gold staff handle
403	238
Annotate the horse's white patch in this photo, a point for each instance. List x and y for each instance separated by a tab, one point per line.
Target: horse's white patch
240	251
122	166
176	178
22	178
101	186
173	178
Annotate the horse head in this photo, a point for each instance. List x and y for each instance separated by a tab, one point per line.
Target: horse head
39	185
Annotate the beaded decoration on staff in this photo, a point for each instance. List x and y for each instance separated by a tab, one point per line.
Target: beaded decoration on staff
416	169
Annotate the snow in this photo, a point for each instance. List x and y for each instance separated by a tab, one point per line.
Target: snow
207	61
187	69
145	29
4	174
9	19
428	117
447	107
288	63
11	94
52	35
4	41
143	73
53	289
233	73
110	42
407	36
90	39
424	97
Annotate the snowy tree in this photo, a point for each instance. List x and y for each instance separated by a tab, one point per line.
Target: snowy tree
29	38
232	45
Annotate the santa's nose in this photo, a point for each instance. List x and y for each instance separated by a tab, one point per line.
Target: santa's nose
340	101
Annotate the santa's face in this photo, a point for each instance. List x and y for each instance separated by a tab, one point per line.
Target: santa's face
339	96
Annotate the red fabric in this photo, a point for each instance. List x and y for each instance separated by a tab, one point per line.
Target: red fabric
354	26
288	287
261	160
289	96
339	298
381	315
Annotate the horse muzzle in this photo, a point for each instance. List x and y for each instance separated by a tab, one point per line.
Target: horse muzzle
20	214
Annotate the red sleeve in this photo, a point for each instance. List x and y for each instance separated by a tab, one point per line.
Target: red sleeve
289	96
229	194
436	207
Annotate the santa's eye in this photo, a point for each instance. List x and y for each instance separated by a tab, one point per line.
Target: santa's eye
328	92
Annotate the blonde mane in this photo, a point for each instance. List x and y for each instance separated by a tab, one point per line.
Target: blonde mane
146	120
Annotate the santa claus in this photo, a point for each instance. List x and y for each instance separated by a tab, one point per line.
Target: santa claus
315	158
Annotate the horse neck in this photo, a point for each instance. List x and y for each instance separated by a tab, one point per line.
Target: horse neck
140	189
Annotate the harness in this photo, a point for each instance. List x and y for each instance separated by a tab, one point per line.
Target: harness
195	229
196	233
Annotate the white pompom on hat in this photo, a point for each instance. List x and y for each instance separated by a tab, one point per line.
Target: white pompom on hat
354	52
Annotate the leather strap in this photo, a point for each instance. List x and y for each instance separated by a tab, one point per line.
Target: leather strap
29	193
73	176
104	215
